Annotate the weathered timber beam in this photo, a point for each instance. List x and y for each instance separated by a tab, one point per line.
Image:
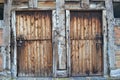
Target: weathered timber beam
60	30
6	33
110	20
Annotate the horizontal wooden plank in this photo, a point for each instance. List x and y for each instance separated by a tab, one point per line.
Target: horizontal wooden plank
20	0
97	0
46	4
1	1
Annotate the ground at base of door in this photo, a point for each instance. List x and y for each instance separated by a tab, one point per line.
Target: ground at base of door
71	78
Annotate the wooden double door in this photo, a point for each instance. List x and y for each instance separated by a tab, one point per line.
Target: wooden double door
34	43
86	43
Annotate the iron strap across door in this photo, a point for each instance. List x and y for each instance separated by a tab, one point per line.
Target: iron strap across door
86	43
34	43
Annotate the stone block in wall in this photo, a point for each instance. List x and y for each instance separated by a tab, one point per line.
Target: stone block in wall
117	35
1	37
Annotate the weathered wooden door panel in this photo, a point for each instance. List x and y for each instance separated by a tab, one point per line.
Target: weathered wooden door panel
34	43
86	43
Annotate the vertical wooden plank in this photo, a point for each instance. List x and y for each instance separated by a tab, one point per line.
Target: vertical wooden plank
25	58
77	56
25	44
90	46
51	58
90	40
71	26
43	27
35	53
82	27
48	58
32	26
90	26
79	51
42	58
47	26
21	23
79	26
17	24
46	66
49	32
33	58
74	28
73	56
85	25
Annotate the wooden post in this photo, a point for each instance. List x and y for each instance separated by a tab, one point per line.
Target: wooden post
35	3
61	34
14	58
68	42
104	27
30	3
54	42
6	34
110	20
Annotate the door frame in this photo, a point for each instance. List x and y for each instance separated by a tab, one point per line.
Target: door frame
14	41
104	30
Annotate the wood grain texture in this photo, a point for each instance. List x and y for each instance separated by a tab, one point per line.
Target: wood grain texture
86	43
34	43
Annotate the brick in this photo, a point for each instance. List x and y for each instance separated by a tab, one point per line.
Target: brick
1	37
117	35
1	63
117	59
